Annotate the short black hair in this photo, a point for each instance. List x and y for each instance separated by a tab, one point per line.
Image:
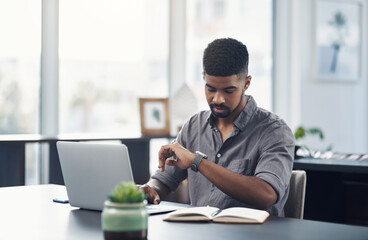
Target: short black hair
225	57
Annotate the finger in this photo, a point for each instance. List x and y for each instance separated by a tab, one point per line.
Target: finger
156	200
161	167
151	193
161	164
164	153
153	196
161	158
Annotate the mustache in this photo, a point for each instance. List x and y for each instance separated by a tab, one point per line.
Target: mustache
221	106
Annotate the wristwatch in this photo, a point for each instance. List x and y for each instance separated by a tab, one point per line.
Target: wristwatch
197	160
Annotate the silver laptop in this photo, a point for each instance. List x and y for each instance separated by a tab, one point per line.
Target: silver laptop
92	170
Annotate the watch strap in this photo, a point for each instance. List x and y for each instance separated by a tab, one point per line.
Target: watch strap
197	160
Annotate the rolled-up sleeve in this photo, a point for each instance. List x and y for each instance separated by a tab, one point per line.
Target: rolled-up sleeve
276	159
173	175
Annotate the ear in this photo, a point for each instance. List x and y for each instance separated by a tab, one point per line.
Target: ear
247	82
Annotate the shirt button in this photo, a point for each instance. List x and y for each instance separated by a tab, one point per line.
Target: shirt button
218	155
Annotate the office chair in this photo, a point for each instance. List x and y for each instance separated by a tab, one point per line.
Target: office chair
181	195
294	206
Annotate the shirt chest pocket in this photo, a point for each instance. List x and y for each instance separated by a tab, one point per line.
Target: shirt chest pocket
240	166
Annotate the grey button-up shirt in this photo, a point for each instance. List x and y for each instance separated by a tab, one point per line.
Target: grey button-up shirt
261	145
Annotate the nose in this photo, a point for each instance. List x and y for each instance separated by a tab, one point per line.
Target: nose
218	98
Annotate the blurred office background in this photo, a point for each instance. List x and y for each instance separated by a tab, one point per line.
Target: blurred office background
80	66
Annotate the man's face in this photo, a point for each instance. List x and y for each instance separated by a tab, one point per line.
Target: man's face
225	95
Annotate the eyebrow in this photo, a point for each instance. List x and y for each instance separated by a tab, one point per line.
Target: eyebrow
227	88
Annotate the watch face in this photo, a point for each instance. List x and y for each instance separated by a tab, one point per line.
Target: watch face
202	154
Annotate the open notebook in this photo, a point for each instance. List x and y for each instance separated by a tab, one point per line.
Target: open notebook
213	214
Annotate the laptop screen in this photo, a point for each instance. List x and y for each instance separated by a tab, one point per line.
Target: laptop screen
92	170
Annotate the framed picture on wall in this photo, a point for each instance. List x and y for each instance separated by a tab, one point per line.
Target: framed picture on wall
154	113
338	40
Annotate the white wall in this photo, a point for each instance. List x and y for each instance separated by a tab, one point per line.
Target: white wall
339	109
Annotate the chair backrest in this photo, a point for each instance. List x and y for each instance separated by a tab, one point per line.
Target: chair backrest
181	195
294	206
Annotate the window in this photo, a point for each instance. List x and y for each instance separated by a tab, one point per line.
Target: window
111	53
20	50
247	21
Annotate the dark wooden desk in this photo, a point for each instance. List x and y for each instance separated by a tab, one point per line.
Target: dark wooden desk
337	190
332	165
28	212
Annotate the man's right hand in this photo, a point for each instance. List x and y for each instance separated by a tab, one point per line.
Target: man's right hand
152	195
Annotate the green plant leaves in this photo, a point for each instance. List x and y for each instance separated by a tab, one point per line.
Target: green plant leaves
301	132
127	192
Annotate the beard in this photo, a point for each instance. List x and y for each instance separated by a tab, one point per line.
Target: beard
225	111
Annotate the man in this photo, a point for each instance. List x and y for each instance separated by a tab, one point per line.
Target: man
236	154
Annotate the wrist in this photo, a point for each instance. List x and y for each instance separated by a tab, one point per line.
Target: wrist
158	187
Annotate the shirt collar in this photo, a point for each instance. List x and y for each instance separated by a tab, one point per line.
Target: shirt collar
244	116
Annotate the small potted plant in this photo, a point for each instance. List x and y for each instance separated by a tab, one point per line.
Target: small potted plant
125	215
301	133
